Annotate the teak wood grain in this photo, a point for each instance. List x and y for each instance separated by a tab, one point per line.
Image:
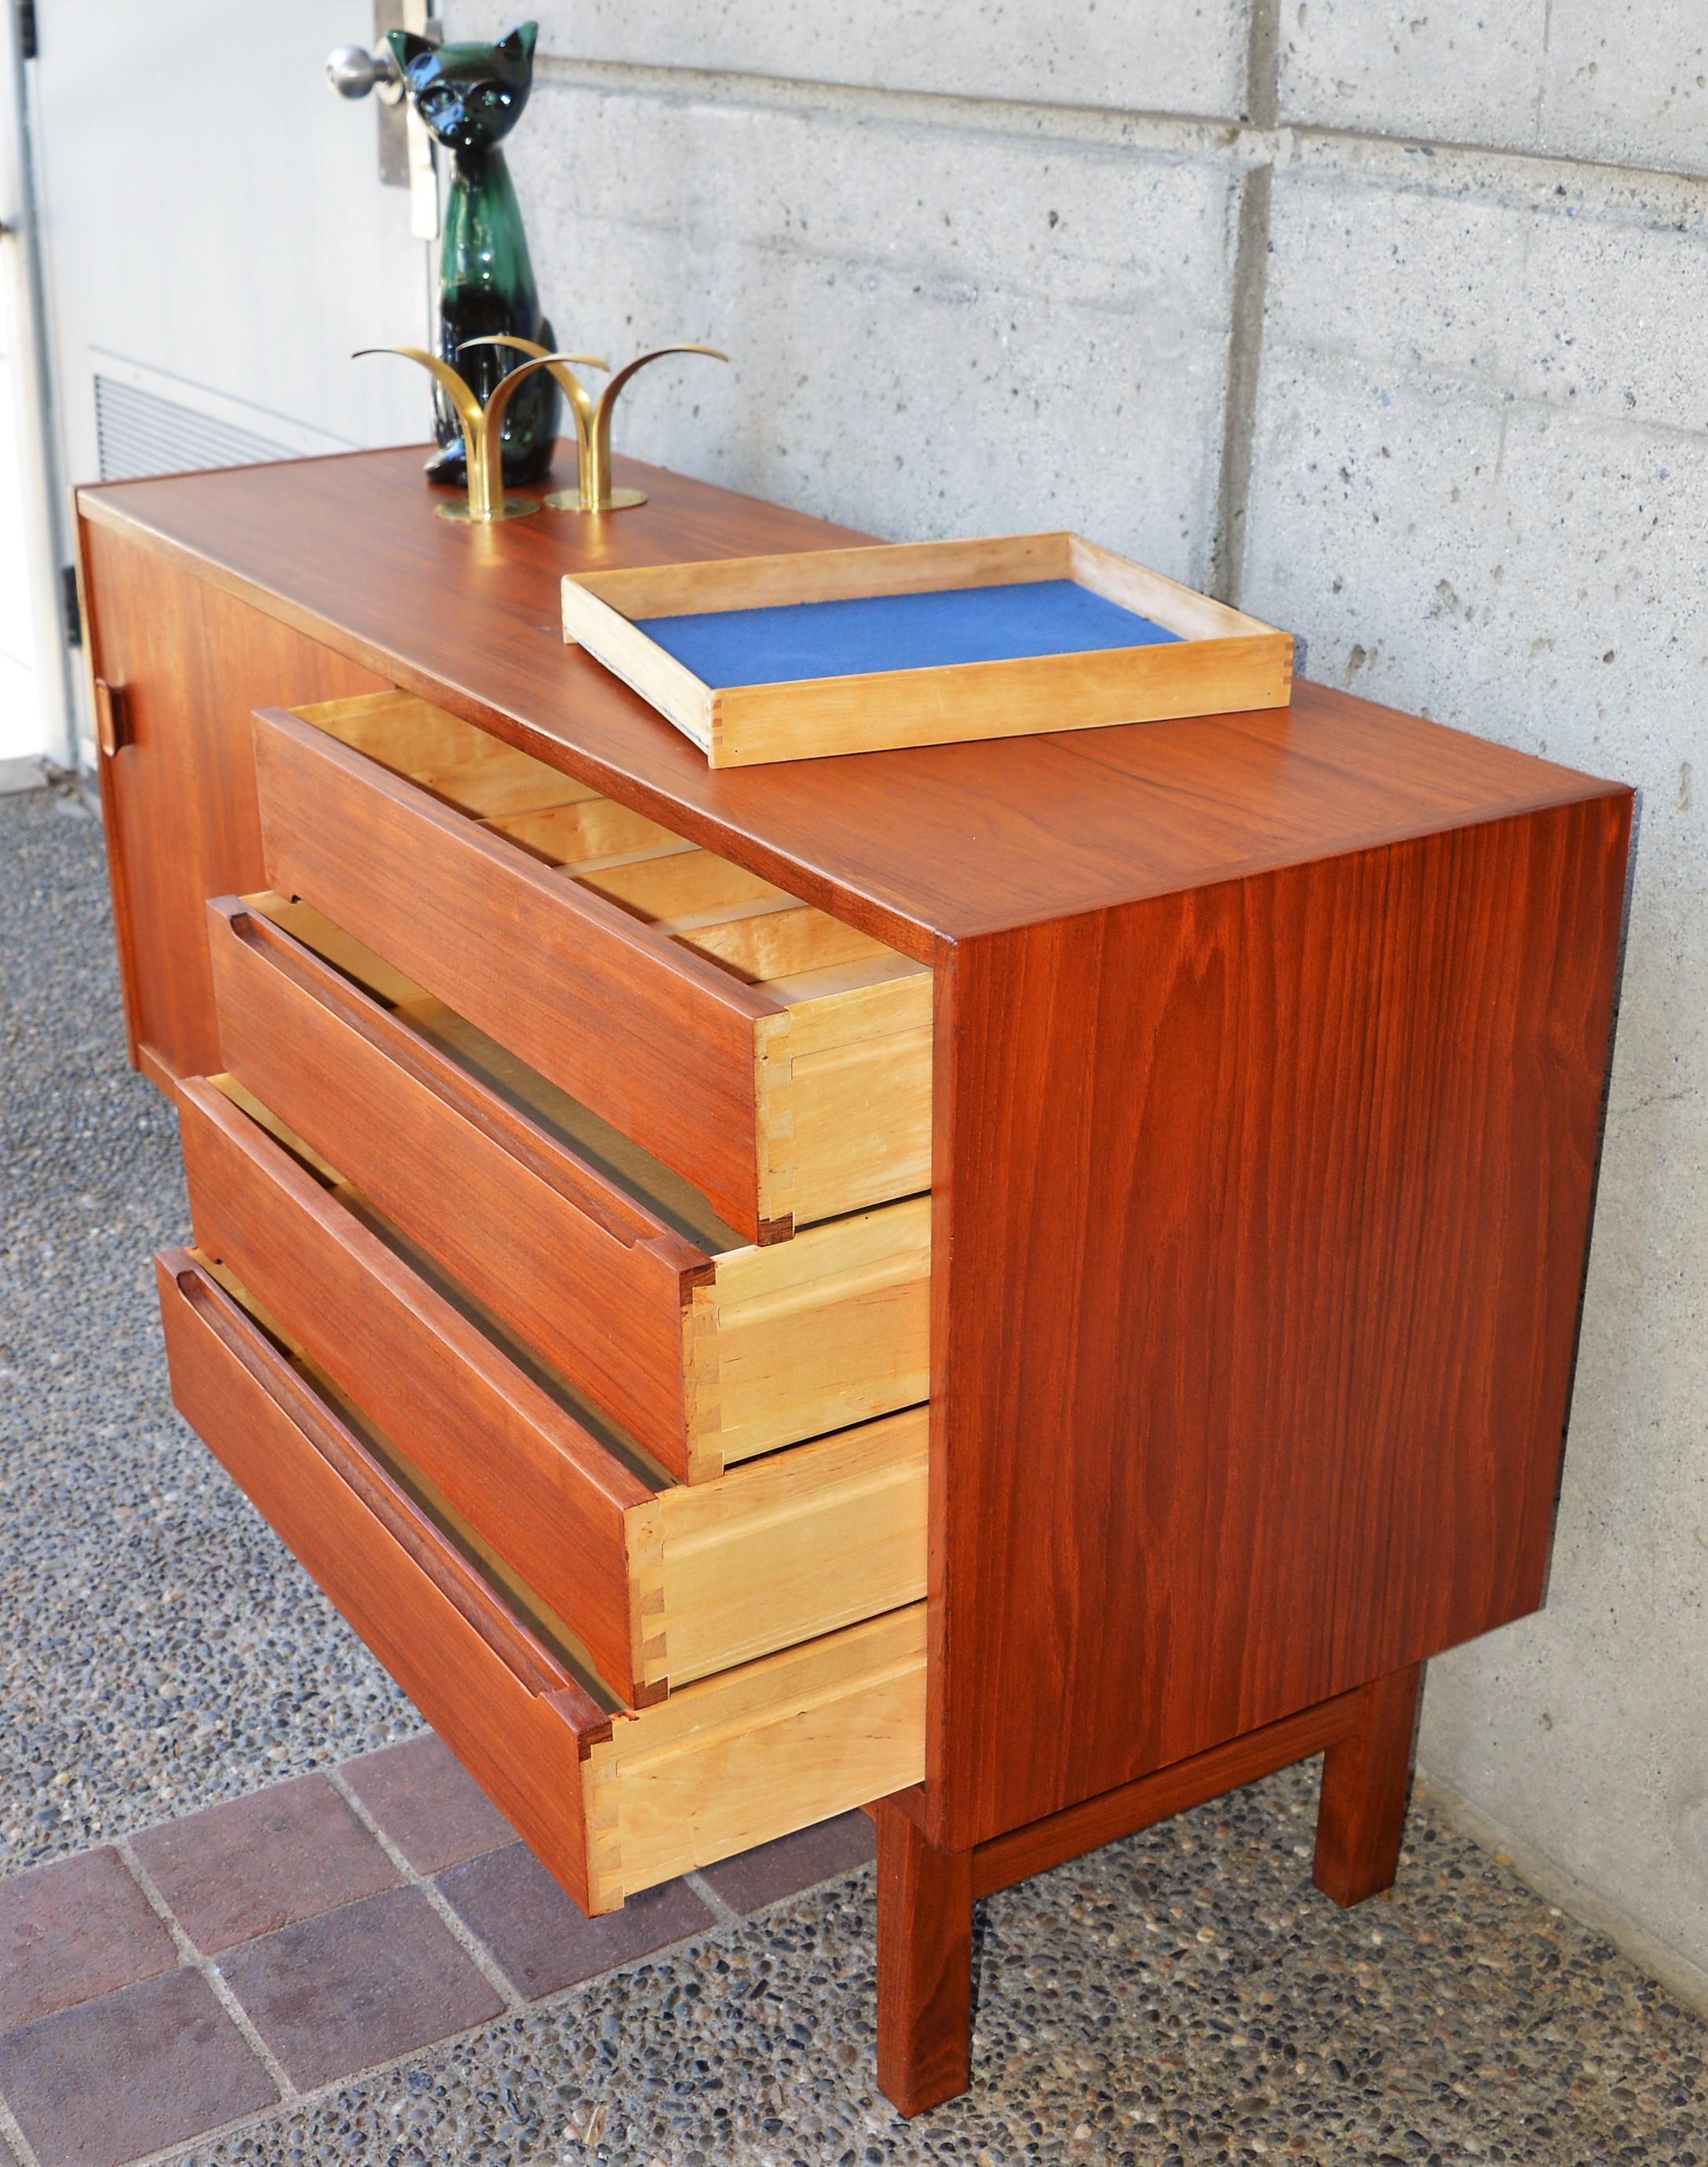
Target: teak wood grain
656	1586
1038	1846
840	1061
1300	1167
188	661
925	1934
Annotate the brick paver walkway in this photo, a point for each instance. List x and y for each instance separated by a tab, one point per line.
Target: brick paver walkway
267	1948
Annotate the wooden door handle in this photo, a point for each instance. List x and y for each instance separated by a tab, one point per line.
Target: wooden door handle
112	733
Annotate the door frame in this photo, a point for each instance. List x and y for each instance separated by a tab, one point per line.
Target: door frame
48	546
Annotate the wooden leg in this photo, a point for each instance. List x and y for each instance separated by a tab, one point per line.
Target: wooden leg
925	1929
1365	1779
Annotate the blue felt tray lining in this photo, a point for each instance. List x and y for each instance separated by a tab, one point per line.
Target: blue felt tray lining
871	632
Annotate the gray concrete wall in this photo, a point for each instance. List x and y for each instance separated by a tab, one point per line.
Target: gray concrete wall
1386	322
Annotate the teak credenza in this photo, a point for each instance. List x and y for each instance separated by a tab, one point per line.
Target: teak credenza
1022	1284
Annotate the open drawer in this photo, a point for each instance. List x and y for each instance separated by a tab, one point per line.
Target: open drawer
706	1349
612	1801
651	1582
777	1058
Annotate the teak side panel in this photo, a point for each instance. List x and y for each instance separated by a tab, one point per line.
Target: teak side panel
463	1174
1299	1167
508	1711
546	1496
188	663
657	1042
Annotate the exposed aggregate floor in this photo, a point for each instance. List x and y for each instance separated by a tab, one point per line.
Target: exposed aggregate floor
1185	1996
161	1651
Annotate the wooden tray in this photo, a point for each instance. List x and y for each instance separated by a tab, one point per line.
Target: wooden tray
832	651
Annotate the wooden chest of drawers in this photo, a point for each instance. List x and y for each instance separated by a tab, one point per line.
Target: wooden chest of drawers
1021	1284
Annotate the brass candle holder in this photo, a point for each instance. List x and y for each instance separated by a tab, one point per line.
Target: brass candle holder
593	491
483	426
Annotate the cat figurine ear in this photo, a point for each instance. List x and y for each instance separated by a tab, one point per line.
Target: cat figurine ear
518	44
407	48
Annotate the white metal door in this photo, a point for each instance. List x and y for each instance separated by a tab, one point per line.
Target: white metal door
25	732
216	239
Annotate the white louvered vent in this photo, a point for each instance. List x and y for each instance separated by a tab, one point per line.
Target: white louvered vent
138	433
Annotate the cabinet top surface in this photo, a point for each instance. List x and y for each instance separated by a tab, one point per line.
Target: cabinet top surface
932	843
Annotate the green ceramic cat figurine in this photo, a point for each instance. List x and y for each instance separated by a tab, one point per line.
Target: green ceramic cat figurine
471	96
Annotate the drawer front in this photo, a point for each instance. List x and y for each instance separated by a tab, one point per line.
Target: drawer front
547	1495
832	1327
657	1040
654	1587
510	1710
704	1358
776	1058
599	1290
788	1547
612	1804
744	1757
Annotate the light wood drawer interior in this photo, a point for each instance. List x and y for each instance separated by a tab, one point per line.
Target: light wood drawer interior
653	1582
802	1093
707	1350
613	1800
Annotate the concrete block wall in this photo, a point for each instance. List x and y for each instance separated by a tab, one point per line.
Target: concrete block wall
1386	322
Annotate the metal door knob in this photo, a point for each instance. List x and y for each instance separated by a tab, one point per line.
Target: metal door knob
353	71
